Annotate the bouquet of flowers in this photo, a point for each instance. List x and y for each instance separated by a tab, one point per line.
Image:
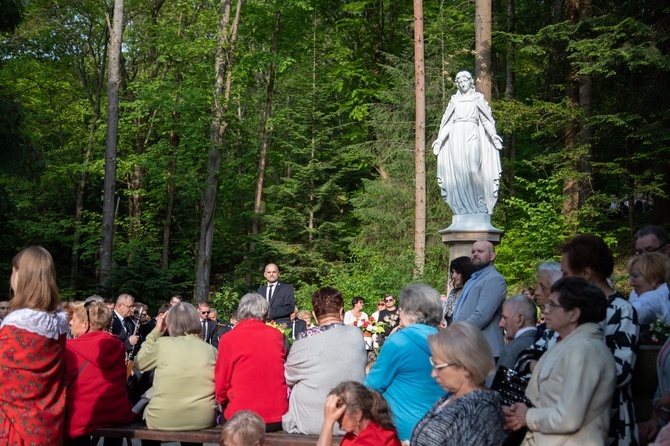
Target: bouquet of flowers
281	327
370	326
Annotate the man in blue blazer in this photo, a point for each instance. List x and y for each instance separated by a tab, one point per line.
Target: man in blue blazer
279	296
483	295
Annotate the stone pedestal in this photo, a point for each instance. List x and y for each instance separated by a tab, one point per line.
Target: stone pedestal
467	229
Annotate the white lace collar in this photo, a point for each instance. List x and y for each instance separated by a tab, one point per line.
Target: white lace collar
49	325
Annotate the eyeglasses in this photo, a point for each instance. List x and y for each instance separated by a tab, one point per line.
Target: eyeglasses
88	315
639	252
379	304
549	307
389	300
205	312
441	366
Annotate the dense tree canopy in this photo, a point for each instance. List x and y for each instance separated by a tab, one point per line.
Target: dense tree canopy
587	120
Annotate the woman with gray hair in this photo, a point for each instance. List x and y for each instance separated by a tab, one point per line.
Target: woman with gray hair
250	366
402	371
183	392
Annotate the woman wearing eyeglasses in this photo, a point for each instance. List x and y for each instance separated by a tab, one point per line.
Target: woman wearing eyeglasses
573	383
95	375
647	277
402	371
469	414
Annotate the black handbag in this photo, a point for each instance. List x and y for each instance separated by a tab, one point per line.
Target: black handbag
511	386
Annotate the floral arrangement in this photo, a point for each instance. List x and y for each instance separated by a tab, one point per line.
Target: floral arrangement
369	325
281	327
658	332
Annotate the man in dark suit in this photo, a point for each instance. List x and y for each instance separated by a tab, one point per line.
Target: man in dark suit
483	295
297	326
519	320
123	325
279	296
208	326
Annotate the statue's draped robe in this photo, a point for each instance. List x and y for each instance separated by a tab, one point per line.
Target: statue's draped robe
468	164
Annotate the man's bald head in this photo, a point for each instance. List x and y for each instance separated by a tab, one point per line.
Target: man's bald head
483	254
271	273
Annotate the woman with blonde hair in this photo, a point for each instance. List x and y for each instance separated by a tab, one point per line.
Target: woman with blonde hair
32	348
469	413
647	277
245	428
95	374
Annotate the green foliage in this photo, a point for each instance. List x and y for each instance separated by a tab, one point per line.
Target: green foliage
138	273
338	200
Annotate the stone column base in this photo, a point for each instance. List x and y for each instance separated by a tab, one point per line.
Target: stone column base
467	229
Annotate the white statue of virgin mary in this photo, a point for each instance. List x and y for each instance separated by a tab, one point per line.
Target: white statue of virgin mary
467	145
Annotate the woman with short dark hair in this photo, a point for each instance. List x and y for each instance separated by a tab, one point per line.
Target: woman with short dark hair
356	313
573	383
328	354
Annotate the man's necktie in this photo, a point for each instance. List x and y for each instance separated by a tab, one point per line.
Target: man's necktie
271	288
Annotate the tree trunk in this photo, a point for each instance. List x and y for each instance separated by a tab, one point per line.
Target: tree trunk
95	97
483	47
167	222
578	132
258	198
509	150
113	83
226	38
419	144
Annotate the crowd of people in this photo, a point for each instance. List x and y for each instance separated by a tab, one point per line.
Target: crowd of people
64	374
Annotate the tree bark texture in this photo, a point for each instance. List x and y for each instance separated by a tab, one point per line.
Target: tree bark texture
222	82
113	82
262	158
483	47
419	143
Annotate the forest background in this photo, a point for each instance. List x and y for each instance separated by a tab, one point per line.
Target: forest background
320	126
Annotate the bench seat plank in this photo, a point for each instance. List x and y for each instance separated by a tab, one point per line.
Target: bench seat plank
210	435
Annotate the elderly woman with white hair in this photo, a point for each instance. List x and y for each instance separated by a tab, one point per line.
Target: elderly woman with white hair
183	364
402	371
250	366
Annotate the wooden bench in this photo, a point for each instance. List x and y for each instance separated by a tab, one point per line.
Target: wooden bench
211	435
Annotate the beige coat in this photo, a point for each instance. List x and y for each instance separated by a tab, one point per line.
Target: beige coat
571	390
183	392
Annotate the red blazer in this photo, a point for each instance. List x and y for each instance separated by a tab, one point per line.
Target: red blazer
249	372
96	395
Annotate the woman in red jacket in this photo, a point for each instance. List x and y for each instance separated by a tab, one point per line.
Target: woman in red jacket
249	371
95	375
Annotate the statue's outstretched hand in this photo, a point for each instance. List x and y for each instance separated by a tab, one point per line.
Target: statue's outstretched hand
437	146
497	142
